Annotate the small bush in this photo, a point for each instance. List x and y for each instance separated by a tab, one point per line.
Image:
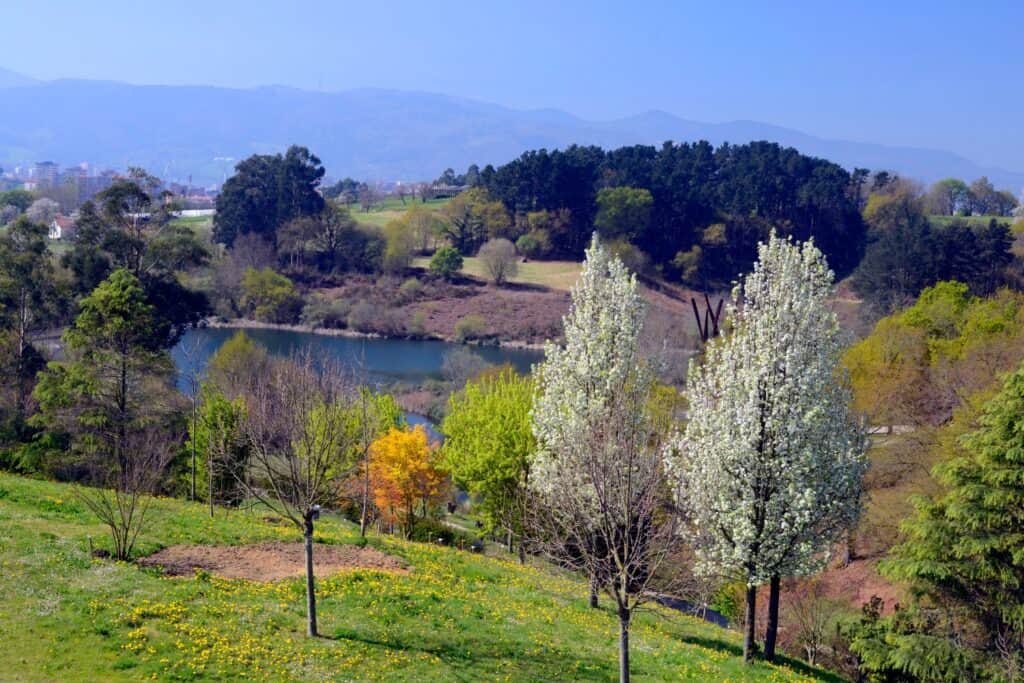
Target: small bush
434	531
361	317
445	262
470	327
410	290
417	325
328	313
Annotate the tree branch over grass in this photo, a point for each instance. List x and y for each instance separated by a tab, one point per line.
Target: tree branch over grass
295	425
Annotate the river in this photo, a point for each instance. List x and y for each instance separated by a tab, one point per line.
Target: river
383	361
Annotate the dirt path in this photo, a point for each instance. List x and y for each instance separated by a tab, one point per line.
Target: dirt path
268	561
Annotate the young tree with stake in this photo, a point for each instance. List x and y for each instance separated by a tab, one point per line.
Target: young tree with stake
771	460
296	424
598	479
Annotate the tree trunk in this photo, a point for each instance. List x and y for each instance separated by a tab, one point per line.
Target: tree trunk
366	494
193	497
508	541
522	552
749	646
310	588
772	630
623	645
593	591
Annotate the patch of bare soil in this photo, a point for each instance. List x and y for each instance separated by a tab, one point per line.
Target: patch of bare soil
269	561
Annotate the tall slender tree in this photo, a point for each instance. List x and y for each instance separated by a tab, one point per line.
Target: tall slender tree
771	460
597	478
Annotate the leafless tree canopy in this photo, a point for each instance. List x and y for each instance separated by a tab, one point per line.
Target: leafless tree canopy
121	498
295	429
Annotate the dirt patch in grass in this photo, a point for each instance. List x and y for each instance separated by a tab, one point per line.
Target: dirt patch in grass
269	561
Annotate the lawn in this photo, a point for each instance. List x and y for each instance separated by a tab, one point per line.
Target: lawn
552	274
390	209
454	616
973	221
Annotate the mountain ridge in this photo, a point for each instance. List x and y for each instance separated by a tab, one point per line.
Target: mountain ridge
374	133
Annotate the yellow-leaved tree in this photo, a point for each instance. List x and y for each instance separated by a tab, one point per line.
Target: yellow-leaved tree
406	476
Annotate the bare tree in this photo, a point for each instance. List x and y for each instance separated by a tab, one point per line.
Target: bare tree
500	259
122	495
298	444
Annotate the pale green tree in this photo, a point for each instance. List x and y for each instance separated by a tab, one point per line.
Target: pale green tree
770	463
488	444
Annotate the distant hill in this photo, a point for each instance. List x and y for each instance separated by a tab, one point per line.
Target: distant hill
177	131
10	79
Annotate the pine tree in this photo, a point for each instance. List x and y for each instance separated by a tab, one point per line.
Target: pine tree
771	461
963	554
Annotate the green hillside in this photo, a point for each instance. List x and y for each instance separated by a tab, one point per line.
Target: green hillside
453	616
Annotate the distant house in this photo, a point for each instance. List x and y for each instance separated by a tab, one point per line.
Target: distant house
62	228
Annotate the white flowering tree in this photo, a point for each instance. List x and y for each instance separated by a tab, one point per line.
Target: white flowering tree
598	479
769	466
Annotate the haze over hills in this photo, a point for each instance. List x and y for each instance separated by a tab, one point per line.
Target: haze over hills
201	131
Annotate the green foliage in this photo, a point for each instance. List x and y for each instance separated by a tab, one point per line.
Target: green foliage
906	253
623	212
446	261
471	218
270	297
220	447
964	553
400	244
489	442
117	379
266	192
470	327
68	616
235	363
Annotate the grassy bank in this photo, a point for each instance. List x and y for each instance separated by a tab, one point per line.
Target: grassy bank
454	616
559	275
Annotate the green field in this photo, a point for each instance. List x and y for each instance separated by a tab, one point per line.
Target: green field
390	209
202	226
454	616
973	221
552	274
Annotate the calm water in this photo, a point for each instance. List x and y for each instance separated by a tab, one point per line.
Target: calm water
383	360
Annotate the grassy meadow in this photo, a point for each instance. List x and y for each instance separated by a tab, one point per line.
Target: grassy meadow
391	208
454	616
561	275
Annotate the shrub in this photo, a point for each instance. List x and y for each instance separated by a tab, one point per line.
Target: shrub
500	260
417	325
530	246
461	364
470	327
410	289
269	296
323	312
361	317
445	262
431	530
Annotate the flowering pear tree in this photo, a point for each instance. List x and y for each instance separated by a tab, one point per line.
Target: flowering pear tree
769	466
598	478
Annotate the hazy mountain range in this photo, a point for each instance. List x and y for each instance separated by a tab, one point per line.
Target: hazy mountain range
178	131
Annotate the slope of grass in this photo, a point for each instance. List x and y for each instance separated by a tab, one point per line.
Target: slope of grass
455	616
560	275
390	209
973	221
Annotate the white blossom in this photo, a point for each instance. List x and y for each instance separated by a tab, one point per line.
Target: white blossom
770	463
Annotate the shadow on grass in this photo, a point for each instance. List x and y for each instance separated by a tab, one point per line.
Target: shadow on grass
472	653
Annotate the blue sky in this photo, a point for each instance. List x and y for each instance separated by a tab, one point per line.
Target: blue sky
938	74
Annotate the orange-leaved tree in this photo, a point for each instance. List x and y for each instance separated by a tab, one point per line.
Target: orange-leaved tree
406	475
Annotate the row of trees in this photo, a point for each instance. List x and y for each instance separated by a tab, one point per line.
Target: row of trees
952	196
761	482
666	200
907	251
